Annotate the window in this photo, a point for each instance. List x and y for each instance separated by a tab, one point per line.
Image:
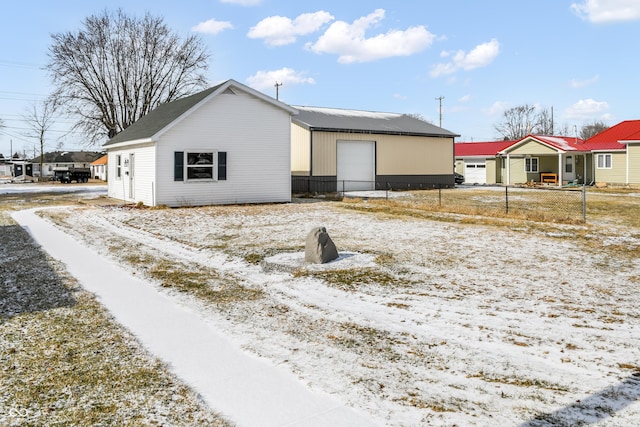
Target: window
568	165
199	166
603	161
531	165
193	166
118	166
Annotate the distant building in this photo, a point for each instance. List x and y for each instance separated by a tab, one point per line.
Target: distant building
99	168
62	160
5	167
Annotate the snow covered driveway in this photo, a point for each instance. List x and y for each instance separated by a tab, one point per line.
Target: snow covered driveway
448	324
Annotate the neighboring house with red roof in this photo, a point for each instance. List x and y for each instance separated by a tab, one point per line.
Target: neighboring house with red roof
99	168
537	158
610	157
479	161
546	159
616	153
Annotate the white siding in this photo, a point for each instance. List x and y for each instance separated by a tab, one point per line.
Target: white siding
256	137
137	183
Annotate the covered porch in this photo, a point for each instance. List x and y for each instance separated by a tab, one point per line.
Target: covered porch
546	160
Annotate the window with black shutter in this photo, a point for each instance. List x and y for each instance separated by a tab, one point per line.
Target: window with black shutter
222	165
178	166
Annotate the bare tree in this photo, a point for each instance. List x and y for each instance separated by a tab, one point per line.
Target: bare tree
517	122
418	116
39	119
117	68
593	128
544	123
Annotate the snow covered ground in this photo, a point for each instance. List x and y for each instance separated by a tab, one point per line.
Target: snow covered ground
438	323
91	190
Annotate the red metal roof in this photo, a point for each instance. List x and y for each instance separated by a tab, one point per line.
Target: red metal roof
608	139
562	143
480	149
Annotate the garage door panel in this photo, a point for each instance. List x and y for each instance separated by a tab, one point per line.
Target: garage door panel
475	172
356	165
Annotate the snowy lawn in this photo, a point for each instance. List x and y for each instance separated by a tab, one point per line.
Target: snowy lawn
434	320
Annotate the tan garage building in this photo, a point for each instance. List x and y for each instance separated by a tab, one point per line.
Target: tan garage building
344	150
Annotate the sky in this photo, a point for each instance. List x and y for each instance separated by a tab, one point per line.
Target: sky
461	61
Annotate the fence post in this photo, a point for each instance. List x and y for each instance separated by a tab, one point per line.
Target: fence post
440	195
506	198
584	202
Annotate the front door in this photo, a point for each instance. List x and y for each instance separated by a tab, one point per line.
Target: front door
131	174
569	173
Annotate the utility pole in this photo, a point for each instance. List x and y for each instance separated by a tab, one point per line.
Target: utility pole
440	98
278	89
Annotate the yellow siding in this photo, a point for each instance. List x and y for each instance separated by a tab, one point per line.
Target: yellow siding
633	152
547	164
618	172
518	175
532	148
395	155
491	171
300	150
323	156
412	155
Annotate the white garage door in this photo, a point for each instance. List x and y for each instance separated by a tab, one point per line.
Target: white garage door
475	172
356	165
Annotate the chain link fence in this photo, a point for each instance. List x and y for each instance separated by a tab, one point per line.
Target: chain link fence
553	204
547	203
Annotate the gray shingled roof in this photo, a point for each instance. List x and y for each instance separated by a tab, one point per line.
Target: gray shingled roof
336	120
69	157
160	117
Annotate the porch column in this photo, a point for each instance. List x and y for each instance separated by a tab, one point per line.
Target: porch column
508	169
560	169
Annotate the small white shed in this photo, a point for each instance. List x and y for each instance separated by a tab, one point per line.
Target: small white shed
225	145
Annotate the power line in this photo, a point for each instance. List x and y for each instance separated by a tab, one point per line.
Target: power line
17	64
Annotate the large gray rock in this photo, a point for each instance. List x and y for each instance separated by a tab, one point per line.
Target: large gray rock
319	248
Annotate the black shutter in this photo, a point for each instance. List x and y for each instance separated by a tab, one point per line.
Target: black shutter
222	165
178	166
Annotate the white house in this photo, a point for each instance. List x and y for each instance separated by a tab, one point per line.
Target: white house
99	168
225	145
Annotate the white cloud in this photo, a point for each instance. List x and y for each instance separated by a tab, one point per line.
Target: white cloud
601	11
212	27
400	97
497	107
480	56
465	98
576	84
350	43
586	109
266	80
243	2
280	30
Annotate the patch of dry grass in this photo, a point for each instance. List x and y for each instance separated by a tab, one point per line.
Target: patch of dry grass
352	279
63	359
205	283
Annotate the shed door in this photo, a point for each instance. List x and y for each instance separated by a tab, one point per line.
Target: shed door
356	165
475	172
